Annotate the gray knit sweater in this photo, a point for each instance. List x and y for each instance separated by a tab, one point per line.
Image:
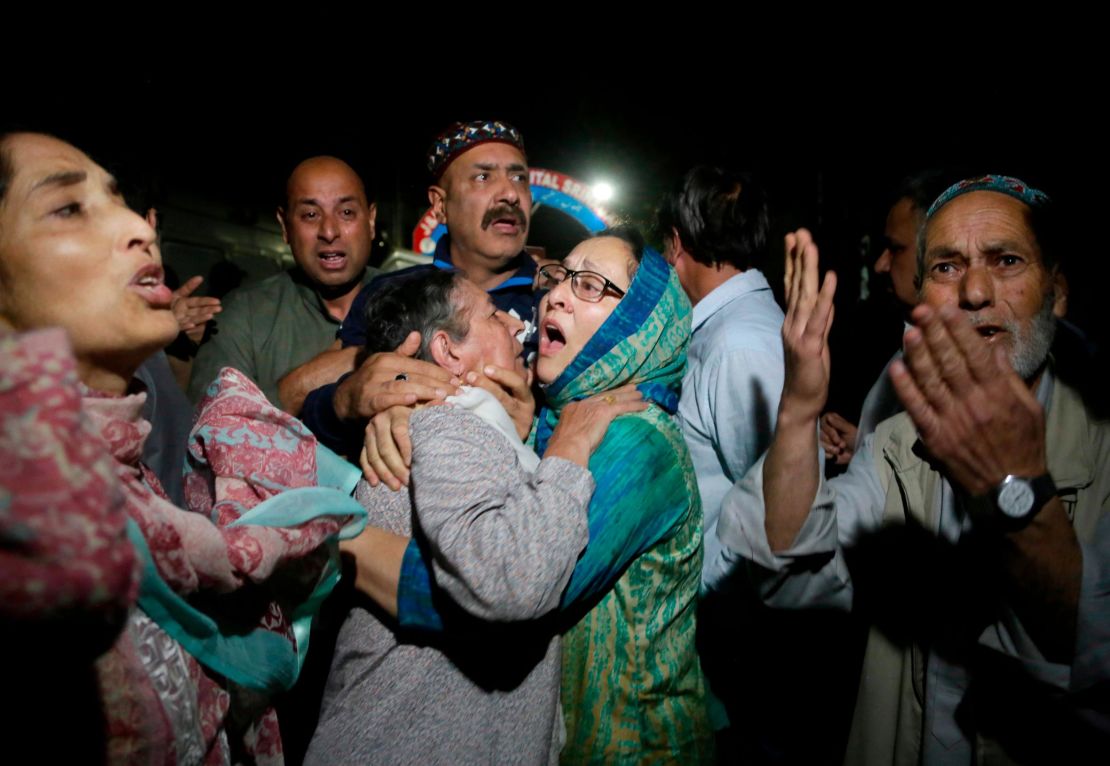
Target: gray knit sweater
503	544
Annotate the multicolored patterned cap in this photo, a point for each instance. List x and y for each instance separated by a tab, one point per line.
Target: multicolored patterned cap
461	136
1008	185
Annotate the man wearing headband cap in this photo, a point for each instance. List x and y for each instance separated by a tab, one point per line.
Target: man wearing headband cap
480	190
972	530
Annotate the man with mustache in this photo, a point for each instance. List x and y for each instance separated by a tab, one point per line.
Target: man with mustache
480	190
972	530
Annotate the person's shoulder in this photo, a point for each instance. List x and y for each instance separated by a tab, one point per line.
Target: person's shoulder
283	280
651	434
1074	417
740	348
644	455
895	437
453	435
247	309
435	416
263	289
753	315
751	322
450	421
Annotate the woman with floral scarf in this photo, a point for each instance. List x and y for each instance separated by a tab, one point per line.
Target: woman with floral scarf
188	669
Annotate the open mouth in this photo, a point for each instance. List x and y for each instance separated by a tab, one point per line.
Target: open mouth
989	331
149	283
332	259
552	339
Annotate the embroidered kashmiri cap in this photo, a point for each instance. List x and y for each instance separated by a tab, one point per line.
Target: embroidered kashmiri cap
461	136
1008	185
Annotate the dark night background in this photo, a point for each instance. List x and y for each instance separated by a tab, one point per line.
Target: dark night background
211	145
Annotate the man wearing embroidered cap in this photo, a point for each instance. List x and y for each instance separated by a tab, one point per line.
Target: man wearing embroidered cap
972	530
480	190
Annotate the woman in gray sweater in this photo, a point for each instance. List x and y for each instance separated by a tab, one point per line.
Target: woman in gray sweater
503	530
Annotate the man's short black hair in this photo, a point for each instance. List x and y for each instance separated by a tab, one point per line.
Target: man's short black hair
922	189
720	216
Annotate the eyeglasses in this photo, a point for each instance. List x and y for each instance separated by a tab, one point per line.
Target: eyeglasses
587	285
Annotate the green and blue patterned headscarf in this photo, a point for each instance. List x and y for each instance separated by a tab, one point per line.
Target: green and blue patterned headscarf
1008	185
643	342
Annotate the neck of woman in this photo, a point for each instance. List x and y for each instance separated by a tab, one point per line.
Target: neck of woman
111	375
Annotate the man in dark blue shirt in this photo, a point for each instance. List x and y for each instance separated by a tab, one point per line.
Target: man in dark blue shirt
480	190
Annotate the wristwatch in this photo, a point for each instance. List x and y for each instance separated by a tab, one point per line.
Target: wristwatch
1018	498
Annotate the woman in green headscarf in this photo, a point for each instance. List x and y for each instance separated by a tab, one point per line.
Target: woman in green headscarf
632	688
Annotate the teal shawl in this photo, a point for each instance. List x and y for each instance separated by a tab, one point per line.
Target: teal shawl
632	687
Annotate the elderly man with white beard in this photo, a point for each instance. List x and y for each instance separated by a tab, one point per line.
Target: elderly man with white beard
971	531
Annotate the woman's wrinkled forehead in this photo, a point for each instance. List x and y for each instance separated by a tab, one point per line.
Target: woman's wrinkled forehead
608	256
34	163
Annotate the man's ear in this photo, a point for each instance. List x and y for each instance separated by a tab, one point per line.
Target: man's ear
442	350
676	249
372	216
676	242
1060	303
280	215
437	195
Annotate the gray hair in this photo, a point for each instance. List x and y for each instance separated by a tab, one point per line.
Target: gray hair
425	302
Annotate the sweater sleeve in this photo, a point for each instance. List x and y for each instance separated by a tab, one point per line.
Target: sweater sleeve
502	542
615	538
65	559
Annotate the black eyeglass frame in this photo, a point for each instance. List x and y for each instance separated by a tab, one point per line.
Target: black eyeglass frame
572	275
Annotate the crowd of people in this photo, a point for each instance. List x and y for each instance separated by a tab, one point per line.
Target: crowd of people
501	510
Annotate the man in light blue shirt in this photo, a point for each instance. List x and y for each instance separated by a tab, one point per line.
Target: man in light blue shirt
714	225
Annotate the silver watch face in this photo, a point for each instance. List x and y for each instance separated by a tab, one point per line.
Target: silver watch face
1015	497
